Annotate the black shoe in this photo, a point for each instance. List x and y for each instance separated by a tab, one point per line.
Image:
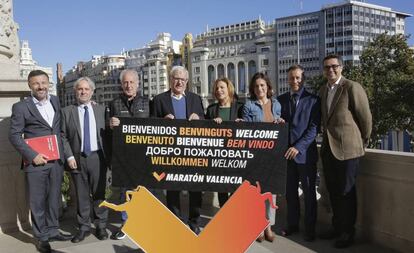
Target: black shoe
329	235
309	237
119	235
344	241
101	234
80	236
60	237
195	228
290	230
43	247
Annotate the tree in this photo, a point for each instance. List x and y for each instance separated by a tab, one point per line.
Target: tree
386	71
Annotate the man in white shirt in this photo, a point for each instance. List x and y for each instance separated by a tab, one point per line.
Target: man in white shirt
36	116
83	132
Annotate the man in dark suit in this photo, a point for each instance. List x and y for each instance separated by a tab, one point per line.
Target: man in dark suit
83	132
301	110
177	103
128	104
346	125
39	115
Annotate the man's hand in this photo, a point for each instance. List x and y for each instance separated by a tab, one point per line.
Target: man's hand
193	116
291	153
40	159
169	116
218	120
72	164
113	122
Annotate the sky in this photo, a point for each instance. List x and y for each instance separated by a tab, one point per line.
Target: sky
72	31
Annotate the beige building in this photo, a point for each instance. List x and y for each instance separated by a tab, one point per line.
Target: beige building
27	64
103	70
153	62
235	51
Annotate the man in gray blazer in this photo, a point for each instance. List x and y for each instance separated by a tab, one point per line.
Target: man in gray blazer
39	115
346	125
83	129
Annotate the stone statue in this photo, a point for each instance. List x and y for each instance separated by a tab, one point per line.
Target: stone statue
9	41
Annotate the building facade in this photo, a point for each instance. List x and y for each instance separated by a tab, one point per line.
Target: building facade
343	28
235	51
153	63
27	64
299	41
185	52
103	70
350	26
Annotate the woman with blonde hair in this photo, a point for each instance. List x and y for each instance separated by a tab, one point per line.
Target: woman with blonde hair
227	108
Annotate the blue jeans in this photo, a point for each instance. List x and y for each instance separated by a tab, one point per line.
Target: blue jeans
122	198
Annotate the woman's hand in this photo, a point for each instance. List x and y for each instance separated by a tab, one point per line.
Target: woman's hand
279	121
218	120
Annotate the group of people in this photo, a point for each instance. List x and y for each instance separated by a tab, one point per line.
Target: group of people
341	112
83	131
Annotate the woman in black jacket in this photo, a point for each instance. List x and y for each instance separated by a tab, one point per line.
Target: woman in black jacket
227	108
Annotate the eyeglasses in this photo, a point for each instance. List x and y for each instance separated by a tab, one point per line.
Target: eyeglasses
328	67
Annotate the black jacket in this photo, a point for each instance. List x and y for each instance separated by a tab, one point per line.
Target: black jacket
236	111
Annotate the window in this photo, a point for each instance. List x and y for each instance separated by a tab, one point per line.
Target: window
265	62
265	49
231	74
252	69
241	71
220	71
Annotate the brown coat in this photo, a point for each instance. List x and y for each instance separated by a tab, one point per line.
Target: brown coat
348	124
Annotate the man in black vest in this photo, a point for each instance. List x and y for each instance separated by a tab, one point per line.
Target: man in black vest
128	104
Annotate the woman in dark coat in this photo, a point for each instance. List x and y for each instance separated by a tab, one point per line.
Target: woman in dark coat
227	108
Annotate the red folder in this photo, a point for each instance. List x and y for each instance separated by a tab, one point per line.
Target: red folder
45	145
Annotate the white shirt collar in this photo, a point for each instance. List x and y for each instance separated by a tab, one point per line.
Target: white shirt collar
83	105
178	97
335	84
40	103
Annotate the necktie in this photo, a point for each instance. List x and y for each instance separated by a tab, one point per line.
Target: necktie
86	133
294	100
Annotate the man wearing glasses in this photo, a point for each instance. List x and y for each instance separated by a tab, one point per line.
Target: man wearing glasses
346	126
177	103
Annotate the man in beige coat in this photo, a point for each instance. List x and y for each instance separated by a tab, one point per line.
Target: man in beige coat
346	126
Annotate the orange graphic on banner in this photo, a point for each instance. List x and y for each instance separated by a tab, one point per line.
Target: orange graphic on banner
157	176
234	228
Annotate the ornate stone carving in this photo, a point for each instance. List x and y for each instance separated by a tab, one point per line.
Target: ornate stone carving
9	41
